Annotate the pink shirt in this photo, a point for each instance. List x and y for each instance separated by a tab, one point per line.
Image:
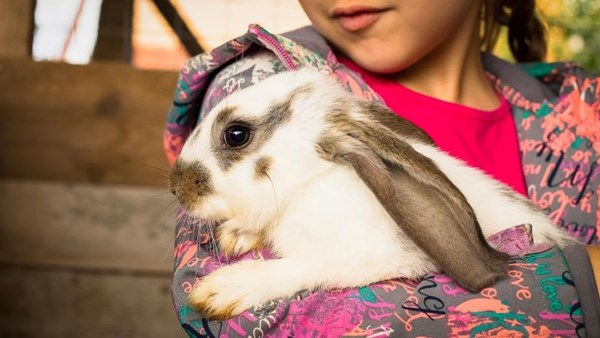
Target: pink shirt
484	139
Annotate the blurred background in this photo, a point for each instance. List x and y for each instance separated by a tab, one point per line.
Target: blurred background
86	221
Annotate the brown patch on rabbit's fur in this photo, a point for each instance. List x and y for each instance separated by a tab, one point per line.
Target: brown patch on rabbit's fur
234	241
391	143
262	167
262	128
204	306
402	127
406	183
189	182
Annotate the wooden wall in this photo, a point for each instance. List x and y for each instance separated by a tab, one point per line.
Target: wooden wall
85	260
101	122
86	221
16	27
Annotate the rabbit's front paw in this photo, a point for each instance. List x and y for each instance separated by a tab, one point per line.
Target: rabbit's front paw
227	292
234	241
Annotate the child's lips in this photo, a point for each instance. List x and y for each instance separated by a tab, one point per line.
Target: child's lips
356	18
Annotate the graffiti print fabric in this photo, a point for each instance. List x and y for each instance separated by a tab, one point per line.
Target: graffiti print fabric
556	113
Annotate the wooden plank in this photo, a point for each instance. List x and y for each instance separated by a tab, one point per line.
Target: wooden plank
114	31
101	122
16	27
57	304
86	226
179	27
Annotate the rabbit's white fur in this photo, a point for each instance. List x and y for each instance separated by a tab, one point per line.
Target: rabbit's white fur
326	227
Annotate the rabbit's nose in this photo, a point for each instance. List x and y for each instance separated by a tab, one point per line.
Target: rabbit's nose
190	181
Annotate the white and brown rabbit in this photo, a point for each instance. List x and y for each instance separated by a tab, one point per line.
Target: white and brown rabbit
344	193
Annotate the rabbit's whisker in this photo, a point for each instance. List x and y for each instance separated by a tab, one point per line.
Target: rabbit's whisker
162	171
274	195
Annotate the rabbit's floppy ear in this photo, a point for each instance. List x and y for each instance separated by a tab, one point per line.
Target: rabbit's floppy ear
424	203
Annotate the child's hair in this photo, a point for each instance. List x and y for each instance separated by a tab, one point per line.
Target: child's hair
526	34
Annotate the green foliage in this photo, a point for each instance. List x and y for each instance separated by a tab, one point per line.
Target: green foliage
580	25
573	32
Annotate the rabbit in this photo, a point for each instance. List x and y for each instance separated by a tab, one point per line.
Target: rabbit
342	191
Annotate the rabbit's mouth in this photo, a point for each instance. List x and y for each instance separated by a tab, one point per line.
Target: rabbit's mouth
204	207
198	211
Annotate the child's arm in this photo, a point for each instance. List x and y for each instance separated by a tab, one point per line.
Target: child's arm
594	253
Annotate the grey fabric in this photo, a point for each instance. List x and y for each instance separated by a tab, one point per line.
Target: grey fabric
525	84
583	277
308	37
537	282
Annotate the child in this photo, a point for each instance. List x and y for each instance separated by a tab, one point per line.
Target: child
533	127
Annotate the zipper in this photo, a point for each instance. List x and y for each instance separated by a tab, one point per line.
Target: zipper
276	47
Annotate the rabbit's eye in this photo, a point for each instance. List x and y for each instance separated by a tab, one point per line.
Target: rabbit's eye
237	136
